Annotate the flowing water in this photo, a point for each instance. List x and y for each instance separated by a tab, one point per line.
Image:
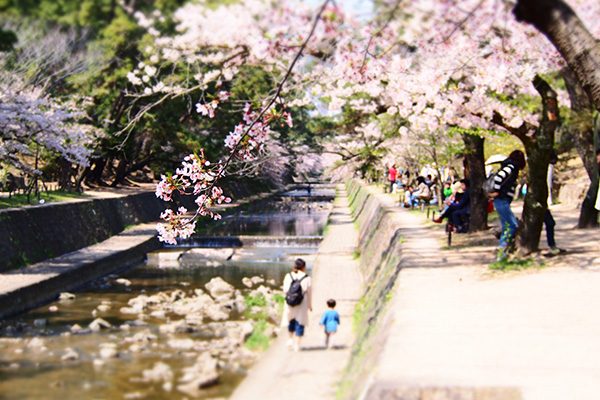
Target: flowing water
33	346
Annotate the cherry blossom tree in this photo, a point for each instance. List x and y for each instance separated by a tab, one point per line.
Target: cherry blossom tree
429	66
32	122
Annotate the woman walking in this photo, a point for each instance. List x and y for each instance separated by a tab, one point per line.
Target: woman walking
505	182
297	286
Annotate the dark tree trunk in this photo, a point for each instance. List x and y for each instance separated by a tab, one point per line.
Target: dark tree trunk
557	20
539	143
64	178
94	176
121	173
584	137
588	216
538	148
475	173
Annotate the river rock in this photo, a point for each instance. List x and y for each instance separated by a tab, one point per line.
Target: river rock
108	350
257	279
161	372
40	322
181	344
36	344
240	305
128	310
265	291
53	308
99	324
217	312
103	308
217	288
123	281
202	374
244	356
194	320
272	282
66	296
239	331
76	328
160	314
70	355
142	337
176	327
247	282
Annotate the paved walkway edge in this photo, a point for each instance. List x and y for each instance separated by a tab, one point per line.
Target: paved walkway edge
43	282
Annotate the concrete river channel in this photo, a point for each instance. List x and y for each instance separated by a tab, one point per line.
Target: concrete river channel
188	322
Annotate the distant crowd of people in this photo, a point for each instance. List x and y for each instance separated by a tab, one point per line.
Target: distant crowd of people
502	187
417	190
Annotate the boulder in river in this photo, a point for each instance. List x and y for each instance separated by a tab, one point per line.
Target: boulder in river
103	308
123	281
247	282
99	324
70	355
108	350
218	288
40	322
160	372
66	296
202	374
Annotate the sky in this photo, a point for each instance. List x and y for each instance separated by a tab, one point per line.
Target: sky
358	8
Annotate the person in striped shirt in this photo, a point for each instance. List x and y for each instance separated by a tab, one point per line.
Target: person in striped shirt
505	183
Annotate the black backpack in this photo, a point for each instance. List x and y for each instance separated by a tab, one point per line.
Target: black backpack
294	295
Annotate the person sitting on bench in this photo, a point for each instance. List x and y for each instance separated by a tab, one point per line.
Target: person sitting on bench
423	193
458	211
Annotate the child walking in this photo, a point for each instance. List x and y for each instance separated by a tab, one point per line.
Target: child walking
330	321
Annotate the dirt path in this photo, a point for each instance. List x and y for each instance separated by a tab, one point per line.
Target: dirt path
313	372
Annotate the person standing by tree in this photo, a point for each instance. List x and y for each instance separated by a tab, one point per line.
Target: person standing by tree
392	174
549	222
503	193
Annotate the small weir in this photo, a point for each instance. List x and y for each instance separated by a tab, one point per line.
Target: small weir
193	315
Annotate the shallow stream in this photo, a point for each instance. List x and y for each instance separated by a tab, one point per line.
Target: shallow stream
52	353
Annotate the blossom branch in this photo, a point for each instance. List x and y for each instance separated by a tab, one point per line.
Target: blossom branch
197	172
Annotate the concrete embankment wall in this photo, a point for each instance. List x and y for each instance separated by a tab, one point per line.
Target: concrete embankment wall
380	245
36	233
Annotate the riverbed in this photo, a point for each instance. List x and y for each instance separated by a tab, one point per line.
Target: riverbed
187	323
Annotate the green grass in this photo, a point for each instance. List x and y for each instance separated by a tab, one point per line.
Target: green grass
255	301
516	264
356	254
20	200
258	340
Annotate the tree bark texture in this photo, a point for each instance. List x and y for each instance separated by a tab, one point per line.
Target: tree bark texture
538	142
585	138
475	173
539	148
559	23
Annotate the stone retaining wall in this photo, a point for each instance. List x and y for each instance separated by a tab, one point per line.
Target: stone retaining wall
380	259
36	233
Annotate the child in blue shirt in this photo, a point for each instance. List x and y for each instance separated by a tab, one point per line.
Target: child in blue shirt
330	321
